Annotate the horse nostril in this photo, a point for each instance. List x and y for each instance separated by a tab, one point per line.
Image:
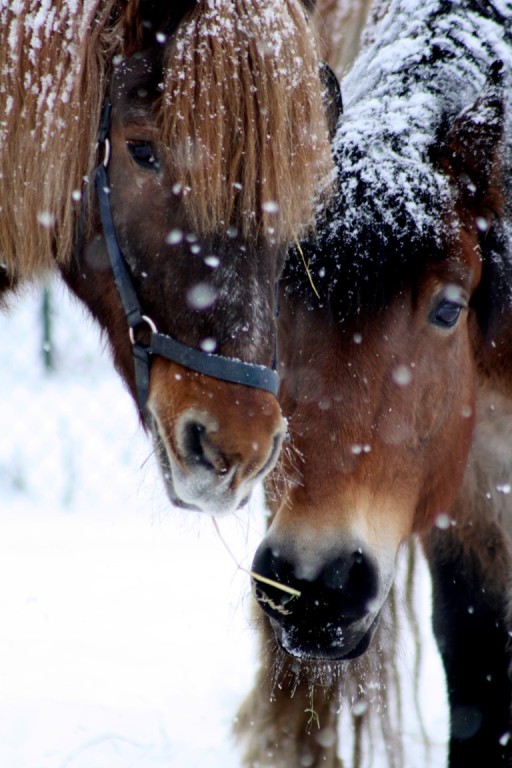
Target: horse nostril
199	448
269	462
274	583
355	576
344	588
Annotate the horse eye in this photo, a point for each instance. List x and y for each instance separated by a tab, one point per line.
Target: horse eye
445	314
143	153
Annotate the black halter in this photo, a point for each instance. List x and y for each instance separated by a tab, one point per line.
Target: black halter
219	367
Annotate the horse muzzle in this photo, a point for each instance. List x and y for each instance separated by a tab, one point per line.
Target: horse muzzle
331	616
215	442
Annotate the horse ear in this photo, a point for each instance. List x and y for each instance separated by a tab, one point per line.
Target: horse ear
470	154
332	97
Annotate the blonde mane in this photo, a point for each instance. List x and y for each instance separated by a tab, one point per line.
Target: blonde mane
241	113
53	61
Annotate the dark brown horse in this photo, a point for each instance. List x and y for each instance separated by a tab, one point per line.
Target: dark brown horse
205	125
397	384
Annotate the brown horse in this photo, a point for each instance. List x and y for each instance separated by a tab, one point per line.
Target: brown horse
205	125
397	384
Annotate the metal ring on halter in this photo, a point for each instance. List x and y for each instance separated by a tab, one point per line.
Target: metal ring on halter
149	323
106	152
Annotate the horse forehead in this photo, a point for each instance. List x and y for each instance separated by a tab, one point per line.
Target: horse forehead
136	80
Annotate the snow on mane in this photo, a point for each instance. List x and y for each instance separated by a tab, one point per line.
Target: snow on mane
428	63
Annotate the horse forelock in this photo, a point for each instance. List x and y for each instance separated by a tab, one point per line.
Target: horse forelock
372	241
243	117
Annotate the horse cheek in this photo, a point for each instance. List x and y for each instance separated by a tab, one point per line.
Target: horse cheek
450	439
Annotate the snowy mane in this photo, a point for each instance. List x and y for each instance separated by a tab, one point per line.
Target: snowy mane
427	64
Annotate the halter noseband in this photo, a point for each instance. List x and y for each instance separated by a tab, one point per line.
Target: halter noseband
219	367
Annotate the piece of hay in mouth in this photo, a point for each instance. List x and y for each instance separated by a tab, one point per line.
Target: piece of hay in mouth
256	576
276	584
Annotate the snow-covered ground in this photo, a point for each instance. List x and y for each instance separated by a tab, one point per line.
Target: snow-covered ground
125	635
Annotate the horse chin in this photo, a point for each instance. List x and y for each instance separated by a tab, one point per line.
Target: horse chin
327	644
216	503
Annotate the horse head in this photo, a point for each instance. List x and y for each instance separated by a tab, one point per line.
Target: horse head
380	374
209	165
212	292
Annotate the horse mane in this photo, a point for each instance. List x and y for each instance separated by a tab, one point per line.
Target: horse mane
241	108
392	206
53	63
356	264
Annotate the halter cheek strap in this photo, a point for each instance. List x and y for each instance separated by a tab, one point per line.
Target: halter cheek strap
219	367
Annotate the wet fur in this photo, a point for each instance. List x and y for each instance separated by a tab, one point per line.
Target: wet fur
292	714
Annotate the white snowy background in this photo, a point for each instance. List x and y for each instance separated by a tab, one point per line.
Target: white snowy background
125	632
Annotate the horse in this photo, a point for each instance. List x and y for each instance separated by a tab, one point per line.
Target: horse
162	157
395	339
